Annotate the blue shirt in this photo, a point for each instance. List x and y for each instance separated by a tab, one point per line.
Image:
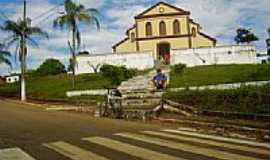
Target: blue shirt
160	77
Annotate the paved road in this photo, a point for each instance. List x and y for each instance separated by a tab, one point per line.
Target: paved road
31	133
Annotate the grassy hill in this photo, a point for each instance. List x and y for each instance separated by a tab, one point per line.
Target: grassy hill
207	75
55	87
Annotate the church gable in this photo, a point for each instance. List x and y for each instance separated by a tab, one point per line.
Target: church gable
162	8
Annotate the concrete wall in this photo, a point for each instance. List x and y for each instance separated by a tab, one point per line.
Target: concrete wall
234	54
139	60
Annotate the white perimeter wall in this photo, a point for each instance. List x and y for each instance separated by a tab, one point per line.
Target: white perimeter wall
141	61
234	54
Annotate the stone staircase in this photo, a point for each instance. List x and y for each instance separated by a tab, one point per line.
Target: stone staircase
139	95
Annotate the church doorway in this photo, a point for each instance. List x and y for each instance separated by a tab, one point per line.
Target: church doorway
163	51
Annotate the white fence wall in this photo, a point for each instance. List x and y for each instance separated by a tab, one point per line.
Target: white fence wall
234	54
87	63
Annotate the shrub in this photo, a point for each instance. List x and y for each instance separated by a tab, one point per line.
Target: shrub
178	68
247	99
50	67
117	74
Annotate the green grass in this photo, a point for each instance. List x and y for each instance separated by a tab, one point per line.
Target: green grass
219	74
55	87
246	99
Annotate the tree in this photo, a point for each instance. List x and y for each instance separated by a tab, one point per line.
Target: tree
245	36
4	56
21	34
75	14
268	42
50	67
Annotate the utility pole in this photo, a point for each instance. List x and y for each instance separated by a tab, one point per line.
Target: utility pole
23	56
268	43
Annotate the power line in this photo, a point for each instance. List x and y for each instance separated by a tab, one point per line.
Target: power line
3	15
44	13
44	19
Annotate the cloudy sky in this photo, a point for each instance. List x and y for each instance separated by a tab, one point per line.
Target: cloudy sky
219	18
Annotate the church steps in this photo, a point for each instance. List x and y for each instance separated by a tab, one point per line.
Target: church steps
140	95
141	102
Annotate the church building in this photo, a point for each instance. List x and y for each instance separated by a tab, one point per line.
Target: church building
165	34
162	28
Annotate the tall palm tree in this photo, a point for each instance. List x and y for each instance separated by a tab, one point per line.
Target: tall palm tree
17	30
4	55
73	16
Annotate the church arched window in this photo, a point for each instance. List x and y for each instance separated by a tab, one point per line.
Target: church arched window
148	29
176	27
162	28
132	37
193	32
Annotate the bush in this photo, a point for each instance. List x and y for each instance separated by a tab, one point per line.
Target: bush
50	67
247	99
117	74
178	68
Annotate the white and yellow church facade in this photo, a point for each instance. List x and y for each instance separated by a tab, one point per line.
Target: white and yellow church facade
165	33
161	28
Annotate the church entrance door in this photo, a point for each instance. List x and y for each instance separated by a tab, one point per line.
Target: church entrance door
163	50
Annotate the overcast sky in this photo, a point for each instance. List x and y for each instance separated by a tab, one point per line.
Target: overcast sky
219	18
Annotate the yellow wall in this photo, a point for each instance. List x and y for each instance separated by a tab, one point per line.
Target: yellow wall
151	45
199	40
141	23
126	46
156	10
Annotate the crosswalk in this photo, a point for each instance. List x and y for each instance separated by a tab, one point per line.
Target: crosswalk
132	144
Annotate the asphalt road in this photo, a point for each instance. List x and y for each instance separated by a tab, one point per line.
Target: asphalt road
31	131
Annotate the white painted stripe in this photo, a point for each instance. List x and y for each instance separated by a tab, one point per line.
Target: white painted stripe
186	147
219	138
73	152
130	149
14	154
210	142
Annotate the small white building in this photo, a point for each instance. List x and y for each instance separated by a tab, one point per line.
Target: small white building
12	78
263	58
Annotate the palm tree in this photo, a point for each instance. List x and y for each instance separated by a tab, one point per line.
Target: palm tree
75	14
17	30
4	55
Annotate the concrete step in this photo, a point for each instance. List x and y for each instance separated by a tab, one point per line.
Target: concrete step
136	86
139	90
141	102
138	108
141	96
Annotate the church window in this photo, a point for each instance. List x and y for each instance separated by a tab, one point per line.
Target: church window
148	29
193	32
176	27
132	37
162	28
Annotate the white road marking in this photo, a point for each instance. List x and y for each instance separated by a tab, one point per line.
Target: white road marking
224	139
131	149
73	152
210	142
186	147
14	154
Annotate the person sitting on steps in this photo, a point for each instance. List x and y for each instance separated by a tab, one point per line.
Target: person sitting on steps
160	80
